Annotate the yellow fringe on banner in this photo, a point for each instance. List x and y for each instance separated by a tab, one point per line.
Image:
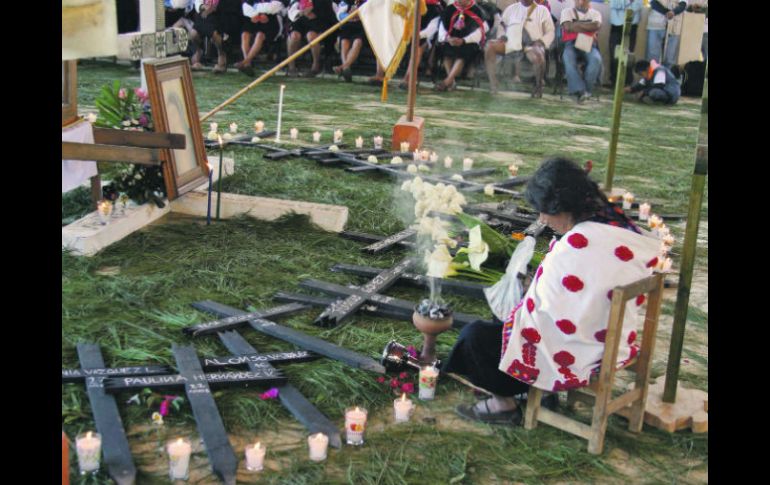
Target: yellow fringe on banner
405	9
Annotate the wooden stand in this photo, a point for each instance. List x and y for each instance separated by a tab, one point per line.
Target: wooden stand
410	131
689	411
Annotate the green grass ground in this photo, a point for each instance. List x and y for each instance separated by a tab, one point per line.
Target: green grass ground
136	311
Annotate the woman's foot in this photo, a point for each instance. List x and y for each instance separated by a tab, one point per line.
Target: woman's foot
219	69
374	81
292	72
198	67
347	74
492	411
337	69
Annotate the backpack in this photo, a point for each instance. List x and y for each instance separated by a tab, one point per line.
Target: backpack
694	76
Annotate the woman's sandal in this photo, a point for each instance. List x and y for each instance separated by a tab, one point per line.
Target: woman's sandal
440	87
347	74
197	67
469	411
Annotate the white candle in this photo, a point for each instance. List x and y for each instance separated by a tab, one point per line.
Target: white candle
377	142
88	447
280	111
402	409
428	378
628	199
467	163
259	127
433	157
424	155
644	211
416	155
233	127
213	127
665	265
668	240
355	425
654	221
316	137
337	136
513	169
318	443
255	457
447	162
105	211
359	142
293	133
178	458
404	146
489	189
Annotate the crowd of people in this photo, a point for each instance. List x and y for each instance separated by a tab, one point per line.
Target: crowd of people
458	35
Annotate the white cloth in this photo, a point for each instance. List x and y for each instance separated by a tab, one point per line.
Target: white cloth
472	38
267	8
76	172
384	28
554	337
592	15
539	26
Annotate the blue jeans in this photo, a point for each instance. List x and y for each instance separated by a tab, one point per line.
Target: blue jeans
672	50
655	44
577	84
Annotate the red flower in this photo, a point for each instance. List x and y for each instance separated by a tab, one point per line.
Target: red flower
539	272
652	263
403	375
564	358
577	241
394	383
407	388
623	253
601	335
531	335
381	379
609	295
631	337
566	326
572	283
640	300
530	304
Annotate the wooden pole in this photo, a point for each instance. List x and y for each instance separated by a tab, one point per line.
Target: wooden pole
414	61
281	65
688	251
617	103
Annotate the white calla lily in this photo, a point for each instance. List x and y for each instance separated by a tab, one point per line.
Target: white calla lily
478	250
438	261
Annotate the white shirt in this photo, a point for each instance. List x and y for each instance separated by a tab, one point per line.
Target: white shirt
539	26
267	8
592	15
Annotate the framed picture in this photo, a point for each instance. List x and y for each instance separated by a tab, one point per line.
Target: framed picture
69	92
174	110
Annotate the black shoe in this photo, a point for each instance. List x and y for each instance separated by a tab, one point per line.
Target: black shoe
511	418
347	74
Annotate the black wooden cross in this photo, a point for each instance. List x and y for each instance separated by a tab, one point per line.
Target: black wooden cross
240	140
390	241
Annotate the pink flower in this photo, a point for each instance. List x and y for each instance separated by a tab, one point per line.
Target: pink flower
408	388
403	375
143	120
381	379
164	408
141	94
122	93
412	351
271	393
394	383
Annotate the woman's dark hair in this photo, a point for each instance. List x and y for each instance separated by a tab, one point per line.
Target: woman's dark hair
561	185
641	66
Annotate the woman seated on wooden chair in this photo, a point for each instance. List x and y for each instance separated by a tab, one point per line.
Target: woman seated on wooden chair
554	337
462	32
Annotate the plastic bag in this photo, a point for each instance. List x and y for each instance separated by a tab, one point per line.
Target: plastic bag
504	295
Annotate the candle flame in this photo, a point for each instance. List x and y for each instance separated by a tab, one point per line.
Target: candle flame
257	446
403	397
179	441
88	435
357	410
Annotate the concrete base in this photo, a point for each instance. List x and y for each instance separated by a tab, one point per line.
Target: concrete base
411	131
689	411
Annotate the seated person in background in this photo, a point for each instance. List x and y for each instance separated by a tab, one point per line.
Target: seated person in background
309	18
351	35
580	26
428	31
261	21
462	31
177	10
657	85
528	30
219	20
554	337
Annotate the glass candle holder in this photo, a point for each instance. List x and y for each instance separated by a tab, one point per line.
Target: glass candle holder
359	142
337	136
377	142
179	452
255	457
355	425
104	208
89	447
259	127
427	382
467	163
318	444
293	134
404	146
316	137
402	409
447	162
628	199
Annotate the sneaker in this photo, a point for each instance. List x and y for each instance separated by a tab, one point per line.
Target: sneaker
583	97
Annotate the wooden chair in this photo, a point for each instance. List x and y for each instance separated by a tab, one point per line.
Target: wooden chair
599	391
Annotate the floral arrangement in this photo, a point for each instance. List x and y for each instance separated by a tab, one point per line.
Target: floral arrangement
126	109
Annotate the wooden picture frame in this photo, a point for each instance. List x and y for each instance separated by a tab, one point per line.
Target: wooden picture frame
174	110
69	92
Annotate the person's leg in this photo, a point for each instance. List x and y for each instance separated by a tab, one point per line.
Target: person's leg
493	49
616	36
316	53
245	47
655	44
672	51
575	83
292	46
456	69
352	56
344	49
634	28
536	55
195	40
259	41
221	66
592	70
655	96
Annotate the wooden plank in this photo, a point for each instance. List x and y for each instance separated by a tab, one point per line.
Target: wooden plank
624	400
296	337
370	310
142	139
290	397
370	238
109	153
264	375
564	423
117	454
77	375
240	320
210	426
254	358
342	309
390	241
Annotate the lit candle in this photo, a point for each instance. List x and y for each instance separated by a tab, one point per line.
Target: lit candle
255	457
213	127
467	163
355	425
402	409
219	180
280	111
105	211
628	199
412	168
433	157
424	155
654	221
293	133
404	146
318	443
233	127
489	189
668	240
88	447
377	142
337	136
447	162
644	211
427	385
665	265
416	155
360	142
178	458
259	127
316	137
211	183
513	169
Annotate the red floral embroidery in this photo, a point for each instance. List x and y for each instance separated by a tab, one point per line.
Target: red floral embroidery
623	253
631	337
572	283
634	351
529	353
601	335
639	300
577	241
568	384
551	245
531	335
566	326
539	272
652	263
523	372
564	358
530	304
